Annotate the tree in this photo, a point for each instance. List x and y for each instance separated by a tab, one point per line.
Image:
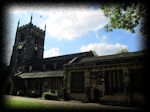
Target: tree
124	16
122	51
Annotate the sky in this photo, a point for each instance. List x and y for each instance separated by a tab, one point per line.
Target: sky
71	30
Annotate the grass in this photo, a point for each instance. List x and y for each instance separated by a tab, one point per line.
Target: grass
15	102
12	103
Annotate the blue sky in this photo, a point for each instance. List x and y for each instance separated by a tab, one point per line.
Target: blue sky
72	30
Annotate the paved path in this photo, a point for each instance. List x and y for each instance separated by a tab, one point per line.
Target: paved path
75	104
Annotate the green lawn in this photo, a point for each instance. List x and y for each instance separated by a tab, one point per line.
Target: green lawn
15	102
12	103
31	103
24	104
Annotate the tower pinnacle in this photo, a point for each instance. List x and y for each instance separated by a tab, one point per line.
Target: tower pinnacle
45	28
18	23
31	19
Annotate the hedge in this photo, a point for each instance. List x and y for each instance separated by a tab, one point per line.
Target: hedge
49	96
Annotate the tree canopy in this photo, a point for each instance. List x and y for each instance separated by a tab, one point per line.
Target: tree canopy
122	51
124	16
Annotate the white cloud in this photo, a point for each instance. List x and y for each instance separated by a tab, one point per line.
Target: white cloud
51	52
65	23
103	48
70	23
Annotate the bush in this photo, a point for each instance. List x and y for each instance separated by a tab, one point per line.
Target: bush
20	93
49	96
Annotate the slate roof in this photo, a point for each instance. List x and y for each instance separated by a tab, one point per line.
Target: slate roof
64	59
109	59
114	56
69	57
41	74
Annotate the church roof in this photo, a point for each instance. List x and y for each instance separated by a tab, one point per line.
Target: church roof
59	61
43	74
70	56
109	59
114	56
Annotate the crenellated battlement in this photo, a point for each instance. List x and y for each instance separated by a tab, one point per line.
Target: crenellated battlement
30	25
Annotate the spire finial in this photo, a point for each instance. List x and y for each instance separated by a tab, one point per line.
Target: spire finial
31	19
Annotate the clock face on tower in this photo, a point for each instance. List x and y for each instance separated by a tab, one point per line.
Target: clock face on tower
20	45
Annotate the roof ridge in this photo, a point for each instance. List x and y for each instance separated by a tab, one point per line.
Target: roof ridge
70	54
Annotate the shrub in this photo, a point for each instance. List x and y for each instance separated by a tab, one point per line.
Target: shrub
49	96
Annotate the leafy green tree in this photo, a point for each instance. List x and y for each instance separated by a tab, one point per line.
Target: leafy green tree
124	16
122	51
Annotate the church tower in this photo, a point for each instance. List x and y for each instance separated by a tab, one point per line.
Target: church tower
28	47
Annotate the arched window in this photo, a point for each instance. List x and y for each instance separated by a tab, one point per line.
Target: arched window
22	37
36	39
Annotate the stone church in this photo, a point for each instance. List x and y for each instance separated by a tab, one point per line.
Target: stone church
80	76
27	63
